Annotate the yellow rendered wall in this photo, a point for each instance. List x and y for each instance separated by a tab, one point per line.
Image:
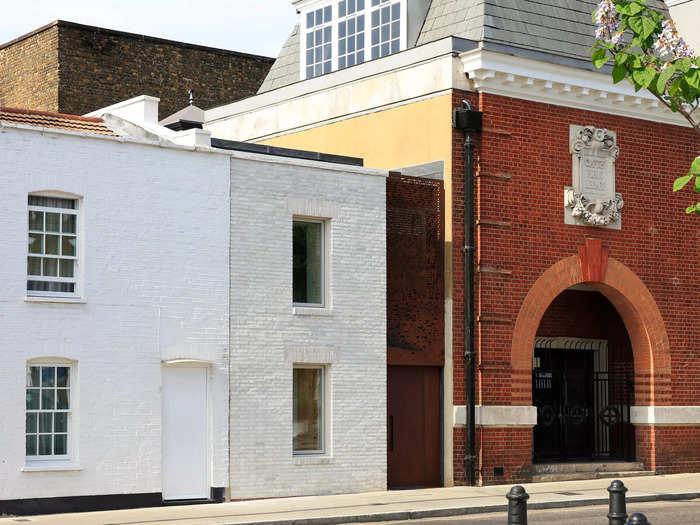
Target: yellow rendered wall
414	133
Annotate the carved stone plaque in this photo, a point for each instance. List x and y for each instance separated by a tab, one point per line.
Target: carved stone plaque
591	200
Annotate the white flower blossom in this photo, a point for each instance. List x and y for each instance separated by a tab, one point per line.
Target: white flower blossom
670	45
608	26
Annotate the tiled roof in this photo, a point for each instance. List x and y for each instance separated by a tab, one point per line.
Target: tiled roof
549	28
285	70
45	119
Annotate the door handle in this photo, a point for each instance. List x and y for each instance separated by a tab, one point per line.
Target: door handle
391	434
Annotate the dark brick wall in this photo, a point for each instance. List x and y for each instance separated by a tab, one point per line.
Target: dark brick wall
100	67
29	72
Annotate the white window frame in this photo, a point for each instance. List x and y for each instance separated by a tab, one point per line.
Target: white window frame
77	267
324	411
70	426
312	5
324	264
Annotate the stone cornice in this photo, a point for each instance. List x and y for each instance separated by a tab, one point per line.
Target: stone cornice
528	79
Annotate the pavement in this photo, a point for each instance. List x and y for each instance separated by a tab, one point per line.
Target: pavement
382	505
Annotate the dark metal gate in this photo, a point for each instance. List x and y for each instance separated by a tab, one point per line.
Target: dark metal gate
582	415
613	431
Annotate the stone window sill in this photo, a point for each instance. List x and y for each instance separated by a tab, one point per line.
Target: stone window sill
42	299
50	466
313	312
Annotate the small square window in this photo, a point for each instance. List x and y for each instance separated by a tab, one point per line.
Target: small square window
308	262
308	407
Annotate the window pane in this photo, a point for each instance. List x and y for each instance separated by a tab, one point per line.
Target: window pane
327	14
341	8
46	422
45	445
31	446
307	262
53	222
68	223
48	376
62	376
62	399
386	14
52	244
31	423
33	376
310	19
307	409
394	46
319	16
60	422
35	241
32	399
396	11
48	399
33	266
68	246
36	220
50	267
60	444
66	268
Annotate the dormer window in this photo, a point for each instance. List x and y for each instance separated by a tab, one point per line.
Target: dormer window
318	41
343	33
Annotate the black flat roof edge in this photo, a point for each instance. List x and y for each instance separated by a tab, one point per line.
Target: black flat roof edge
264	149
76	25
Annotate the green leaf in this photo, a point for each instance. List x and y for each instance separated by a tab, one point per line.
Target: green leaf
683	64
593	16
695	167
619	72
643	77
692	77
635	8
634	61
642	25
693	209
664	77
675	86
599	58
621	58
680	182
696	187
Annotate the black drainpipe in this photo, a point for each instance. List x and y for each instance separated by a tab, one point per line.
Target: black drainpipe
468	120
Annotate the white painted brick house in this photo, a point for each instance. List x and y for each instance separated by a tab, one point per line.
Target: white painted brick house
184	321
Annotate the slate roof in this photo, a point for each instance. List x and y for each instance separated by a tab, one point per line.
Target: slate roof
553	30
45	119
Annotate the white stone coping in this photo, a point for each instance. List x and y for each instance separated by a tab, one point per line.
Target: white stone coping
306	460
240	155
665	415
497	416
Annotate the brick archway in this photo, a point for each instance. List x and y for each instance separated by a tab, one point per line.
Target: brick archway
631	298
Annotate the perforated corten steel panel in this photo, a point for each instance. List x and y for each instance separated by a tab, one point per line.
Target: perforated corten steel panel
415	272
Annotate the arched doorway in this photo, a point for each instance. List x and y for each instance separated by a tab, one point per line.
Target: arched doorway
583	381
629	297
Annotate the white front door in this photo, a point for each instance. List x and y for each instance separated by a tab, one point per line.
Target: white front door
185	473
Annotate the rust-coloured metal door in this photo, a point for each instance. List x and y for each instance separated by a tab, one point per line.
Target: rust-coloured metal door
413	426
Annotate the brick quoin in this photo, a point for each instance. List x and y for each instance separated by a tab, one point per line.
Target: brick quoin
649	278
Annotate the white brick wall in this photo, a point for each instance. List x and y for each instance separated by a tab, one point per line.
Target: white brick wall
156	287
267	337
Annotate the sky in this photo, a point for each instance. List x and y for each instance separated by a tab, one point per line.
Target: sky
251	26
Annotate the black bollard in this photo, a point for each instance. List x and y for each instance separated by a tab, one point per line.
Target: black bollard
517	506
618	506
638	519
